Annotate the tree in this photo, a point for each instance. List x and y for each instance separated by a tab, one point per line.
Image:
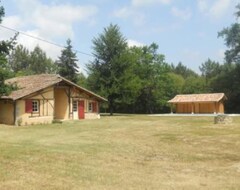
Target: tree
228	82
82	80
67	63
24	62
153	73
39	62
107	71
228	79
128	81
231	37
194	85
182	70
19	59
176	84
5	47
209	69
238	11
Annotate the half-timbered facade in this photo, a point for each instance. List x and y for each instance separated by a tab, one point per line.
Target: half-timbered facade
43	98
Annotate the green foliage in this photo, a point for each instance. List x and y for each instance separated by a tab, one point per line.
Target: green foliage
5	47
19	59
39	62
176	84
5	73
228	78
228	81
210	69
195	85
238	11
137	79
24	62
182	70
109	71
128	81
231	37
67	63
2	13
152	71
81	80
232	40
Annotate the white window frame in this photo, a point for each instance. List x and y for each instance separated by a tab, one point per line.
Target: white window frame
75	106
90	107
35	106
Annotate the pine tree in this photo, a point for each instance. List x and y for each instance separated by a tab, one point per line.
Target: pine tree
108	68
67	63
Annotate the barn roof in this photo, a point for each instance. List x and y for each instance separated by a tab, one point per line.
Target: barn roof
27	85
188	98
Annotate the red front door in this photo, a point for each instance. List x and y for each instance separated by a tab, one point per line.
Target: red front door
81	110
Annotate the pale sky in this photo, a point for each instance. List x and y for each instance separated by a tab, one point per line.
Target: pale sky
185	31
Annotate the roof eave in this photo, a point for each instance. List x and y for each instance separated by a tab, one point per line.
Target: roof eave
6	98
84	89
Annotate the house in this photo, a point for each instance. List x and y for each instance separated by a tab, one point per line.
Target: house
199	103
43	98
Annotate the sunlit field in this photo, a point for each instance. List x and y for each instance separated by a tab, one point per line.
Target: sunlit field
122	152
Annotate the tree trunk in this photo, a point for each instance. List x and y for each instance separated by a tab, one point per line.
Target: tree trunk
110	106
111	110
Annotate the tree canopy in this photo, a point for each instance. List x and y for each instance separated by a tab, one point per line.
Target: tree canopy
5	47
25	62
231	37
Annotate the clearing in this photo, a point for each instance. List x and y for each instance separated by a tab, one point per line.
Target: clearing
122	152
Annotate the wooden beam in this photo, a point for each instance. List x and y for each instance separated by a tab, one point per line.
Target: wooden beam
171	108
215	107
48	101
192	108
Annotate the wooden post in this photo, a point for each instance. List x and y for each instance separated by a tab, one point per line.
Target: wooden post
54	103
192	108
171	108
69	102
43	107
215	108
14	113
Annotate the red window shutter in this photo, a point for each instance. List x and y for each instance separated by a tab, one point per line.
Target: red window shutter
28	106
94	104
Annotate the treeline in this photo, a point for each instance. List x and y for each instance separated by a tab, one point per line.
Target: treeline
133	79
139	80
21	61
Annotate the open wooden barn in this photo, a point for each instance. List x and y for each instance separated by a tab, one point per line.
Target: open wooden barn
198	103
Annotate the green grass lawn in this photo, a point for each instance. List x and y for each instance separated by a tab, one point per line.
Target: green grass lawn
122	152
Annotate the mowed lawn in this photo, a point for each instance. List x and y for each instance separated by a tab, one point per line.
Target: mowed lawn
122	152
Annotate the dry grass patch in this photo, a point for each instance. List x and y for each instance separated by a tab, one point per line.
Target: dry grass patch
122	152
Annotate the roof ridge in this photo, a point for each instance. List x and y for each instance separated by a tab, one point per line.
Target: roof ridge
202	93
26	76
206	97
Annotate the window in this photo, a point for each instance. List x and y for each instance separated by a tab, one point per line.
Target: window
75	106
35	106
90	107
32	106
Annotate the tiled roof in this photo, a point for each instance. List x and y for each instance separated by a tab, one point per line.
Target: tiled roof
30	84
187	98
